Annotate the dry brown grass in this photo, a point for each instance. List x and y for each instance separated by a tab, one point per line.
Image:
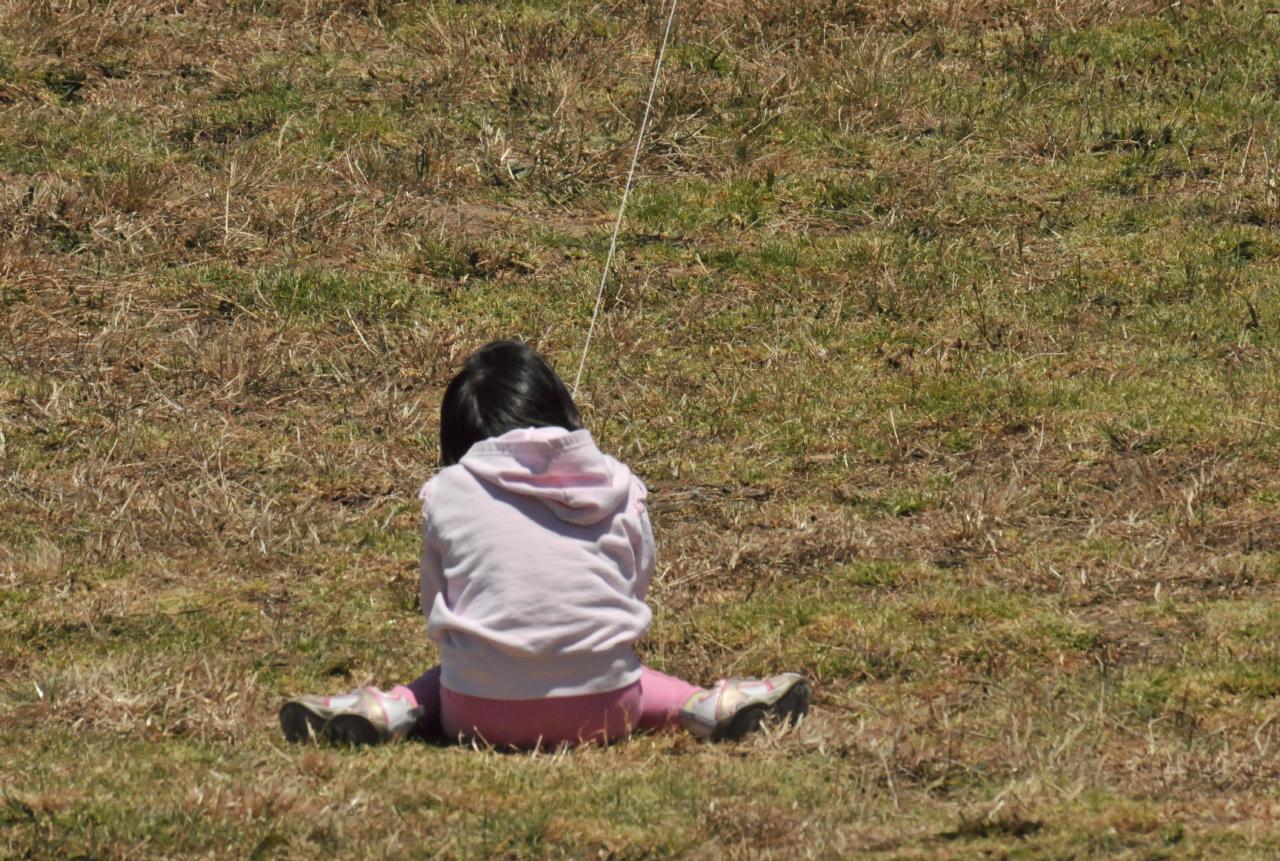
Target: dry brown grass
944	337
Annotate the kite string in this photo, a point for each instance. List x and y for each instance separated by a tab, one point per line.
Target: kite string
626	192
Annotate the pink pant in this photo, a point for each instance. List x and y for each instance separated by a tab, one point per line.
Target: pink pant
652	703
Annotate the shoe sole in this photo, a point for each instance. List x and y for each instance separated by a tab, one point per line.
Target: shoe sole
301	724
788	709
353	731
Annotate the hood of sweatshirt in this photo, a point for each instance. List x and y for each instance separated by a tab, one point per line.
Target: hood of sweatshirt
561	469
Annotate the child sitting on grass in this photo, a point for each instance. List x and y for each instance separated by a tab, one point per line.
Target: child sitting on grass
536	556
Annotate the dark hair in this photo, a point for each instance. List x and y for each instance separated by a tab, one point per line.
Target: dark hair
502	386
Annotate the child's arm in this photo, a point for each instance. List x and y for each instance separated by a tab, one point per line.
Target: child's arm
642	541
431	578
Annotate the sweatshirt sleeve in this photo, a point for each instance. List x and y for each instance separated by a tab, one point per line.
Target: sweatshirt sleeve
642	542
431	578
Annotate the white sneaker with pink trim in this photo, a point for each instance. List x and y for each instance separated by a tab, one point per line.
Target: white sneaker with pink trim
361	717
733	708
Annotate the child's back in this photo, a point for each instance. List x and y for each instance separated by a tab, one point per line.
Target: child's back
537	554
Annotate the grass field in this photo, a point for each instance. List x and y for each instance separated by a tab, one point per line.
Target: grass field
945	334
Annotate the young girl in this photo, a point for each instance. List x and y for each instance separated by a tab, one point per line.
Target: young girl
536	556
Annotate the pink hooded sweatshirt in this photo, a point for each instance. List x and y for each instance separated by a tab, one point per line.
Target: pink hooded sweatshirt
536	557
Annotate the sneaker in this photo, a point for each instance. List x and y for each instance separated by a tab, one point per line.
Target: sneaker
735	707
361	717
